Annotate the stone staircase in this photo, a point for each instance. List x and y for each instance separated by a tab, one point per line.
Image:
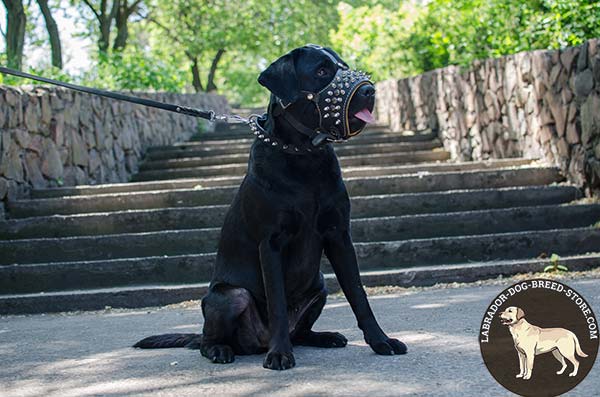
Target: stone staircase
417	220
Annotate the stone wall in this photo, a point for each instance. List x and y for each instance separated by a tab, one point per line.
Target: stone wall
52	136
540	104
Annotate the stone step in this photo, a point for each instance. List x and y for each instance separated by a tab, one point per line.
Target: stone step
441	257
197	167
464	249
106	247
215	142
461	200
373	138
234	131
425	168
486	221
204	171
363	147
241	130
195	240
231	131
213	158
105	223
366	171
133	221
415	183
170	293
525	176
218	140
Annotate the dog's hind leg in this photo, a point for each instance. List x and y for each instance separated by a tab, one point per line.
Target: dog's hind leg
566	347
222	308
302	333
561	360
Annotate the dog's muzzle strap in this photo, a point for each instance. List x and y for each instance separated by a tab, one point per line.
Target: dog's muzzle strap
316	137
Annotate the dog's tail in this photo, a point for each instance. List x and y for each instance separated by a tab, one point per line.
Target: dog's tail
165	341
578	348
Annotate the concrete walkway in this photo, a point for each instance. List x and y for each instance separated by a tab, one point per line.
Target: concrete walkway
87	354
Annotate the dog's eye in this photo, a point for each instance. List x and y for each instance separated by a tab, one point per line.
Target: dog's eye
321	72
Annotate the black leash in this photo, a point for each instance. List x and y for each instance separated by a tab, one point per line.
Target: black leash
188	111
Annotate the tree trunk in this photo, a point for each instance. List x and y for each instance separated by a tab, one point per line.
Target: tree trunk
105	19
122	29
196	75
122	32
210	85
15	32
122	19
104	38
52	33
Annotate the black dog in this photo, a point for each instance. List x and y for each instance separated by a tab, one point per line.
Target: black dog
267	290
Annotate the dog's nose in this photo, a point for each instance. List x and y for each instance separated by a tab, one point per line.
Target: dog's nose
367	90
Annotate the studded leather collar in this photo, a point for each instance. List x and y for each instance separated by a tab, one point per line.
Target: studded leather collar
268	139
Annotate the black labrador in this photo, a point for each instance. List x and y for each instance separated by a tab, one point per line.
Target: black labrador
267	290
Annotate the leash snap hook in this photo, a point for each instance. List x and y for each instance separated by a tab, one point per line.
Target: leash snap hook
228	118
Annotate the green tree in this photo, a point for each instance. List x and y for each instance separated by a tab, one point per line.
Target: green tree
106	16
245	34
459	31
371	37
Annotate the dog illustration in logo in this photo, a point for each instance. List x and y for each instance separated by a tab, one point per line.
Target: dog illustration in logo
531	340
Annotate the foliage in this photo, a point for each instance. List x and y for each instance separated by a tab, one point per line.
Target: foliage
370	38
45	71
135	70
460	31
238	79
396	40
249	33
229	42
555	266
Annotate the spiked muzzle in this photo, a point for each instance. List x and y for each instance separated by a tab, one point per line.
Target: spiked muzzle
333	103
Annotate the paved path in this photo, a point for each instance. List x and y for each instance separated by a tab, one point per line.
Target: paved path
87	354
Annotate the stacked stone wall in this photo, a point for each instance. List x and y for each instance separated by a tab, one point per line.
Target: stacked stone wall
539	104
56	137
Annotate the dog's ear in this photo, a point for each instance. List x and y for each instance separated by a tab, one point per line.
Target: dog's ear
280	78
520	313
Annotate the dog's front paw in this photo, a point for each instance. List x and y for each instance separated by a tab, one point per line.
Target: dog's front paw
388	346
278	360
527	376
519	376
218	354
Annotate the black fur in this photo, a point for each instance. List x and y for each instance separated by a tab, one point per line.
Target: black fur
267	290
165	341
